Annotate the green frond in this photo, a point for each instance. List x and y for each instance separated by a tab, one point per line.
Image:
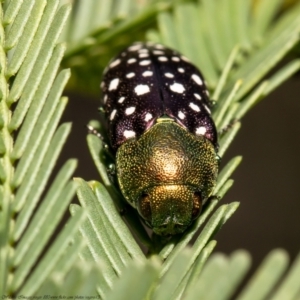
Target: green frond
31	104
235	44
217	279
266	276
80	280
51	259
289	286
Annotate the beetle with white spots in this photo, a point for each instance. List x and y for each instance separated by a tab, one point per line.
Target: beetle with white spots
160	129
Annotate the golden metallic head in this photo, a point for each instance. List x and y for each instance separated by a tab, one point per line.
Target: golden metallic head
169	209
167	174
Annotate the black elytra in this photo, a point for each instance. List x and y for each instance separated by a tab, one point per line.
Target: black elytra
147	81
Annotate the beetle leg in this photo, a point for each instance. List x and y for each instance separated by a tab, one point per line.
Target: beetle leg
95	132
111	172
228	126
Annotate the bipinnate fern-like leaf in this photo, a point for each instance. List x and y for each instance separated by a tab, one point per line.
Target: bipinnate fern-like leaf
31	141
95	254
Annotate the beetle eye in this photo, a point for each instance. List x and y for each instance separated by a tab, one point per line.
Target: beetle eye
196	205
144	207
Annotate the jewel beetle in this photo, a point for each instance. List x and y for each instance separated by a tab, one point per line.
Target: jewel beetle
165	142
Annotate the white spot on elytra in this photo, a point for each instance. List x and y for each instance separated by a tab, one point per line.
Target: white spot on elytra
207	92
147	73
129	110
181	70
158	46
143	51
129	134
121	100
197	79
142	89
207	109
175	58
112	115
143	55
162	58
197	96
148	117
158	52
135	47
145	62
185	59
105	99
194	107
130	75
169	75
113	84
102	85
115	63
131	60
181	115
177	88
201	130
